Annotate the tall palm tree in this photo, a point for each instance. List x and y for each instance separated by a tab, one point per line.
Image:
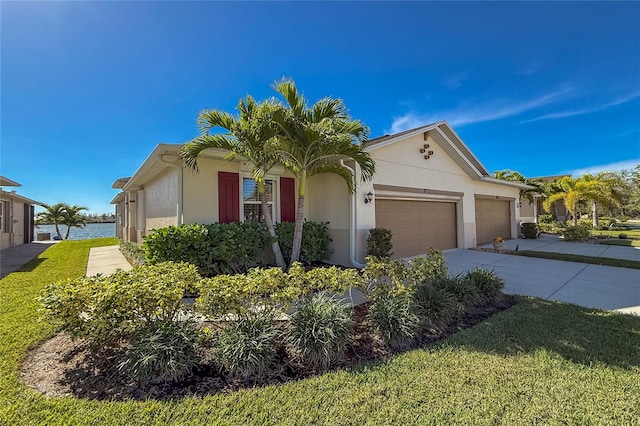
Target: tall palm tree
249	135
317	139
72	217
53	214
606	190
576	192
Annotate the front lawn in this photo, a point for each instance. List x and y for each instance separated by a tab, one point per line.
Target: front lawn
567	257
630	233
539	362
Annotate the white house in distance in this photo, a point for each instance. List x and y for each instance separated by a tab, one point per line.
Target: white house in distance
16	216
429	190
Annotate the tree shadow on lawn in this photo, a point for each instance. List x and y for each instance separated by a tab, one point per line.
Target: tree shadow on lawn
581	335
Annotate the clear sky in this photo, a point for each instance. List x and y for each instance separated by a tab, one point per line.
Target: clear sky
89	88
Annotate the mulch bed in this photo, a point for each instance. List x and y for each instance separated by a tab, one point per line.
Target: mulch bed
61	366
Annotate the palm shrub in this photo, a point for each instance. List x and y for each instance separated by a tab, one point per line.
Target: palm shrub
164	351
320	329
434	306
488	284
379	242
392	315
247	347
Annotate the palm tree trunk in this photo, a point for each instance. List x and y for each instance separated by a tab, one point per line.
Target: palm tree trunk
57	230
268	220
595	215
66	237
297	230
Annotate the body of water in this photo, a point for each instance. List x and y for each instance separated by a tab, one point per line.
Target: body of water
91	230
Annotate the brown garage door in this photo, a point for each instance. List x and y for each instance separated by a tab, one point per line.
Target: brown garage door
493	219
417	225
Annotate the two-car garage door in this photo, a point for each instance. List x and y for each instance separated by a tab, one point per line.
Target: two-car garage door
417	225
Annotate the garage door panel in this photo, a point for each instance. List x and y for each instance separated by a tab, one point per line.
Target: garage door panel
493	219
417	225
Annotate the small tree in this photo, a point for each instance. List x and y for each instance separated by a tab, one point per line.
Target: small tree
72	217
53	215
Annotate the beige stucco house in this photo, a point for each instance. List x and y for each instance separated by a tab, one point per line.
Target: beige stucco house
16	216
429	190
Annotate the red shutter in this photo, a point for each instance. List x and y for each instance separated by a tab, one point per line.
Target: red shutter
287	200
228	197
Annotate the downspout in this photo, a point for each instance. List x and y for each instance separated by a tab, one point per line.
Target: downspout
352	225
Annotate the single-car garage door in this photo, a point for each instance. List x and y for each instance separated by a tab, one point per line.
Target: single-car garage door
493	219
417	225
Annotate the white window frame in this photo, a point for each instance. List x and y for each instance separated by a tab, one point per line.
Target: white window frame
275	204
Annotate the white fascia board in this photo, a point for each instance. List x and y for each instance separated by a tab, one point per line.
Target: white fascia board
464	158
19	197
162	148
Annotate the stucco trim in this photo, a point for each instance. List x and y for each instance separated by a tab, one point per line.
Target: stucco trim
494	197
423	191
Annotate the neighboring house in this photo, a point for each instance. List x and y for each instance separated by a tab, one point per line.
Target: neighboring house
429	190
16	216
558	209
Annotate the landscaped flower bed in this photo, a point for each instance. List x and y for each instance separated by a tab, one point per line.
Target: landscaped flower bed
134	338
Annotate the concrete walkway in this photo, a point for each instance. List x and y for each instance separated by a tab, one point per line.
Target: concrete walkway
105	260
594	286
14	258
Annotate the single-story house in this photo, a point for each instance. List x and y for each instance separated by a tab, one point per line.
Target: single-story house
429	190
16	216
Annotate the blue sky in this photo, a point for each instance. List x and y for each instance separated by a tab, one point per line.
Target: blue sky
89	88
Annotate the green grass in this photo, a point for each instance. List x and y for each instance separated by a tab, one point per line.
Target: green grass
630	233
540	362
623	243
593	260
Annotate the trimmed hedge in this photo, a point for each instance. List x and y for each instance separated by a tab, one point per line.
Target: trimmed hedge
233	248
315	241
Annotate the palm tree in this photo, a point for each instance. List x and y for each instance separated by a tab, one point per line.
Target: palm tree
249	135
576	192
317	139
72	217
53	214
606	190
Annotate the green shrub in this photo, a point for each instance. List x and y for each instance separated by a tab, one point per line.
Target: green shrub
586	222
105	309
225	294
577	233
427	268
379	243
546	219
163	351
466	294
315	241
383	276
133	252
529	230
219	248
433	305
392	315
247	348
320	329
488	284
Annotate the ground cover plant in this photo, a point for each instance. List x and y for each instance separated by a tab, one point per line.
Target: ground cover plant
540	361
592	260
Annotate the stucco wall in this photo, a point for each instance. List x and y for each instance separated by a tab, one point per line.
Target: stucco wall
14	235
328	200
161	199
402	165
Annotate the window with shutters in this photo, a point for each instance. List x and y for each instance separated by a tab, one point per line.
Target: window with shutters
251	203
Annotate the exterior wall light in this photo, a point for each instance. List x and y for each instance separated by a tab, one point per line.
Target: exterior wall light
368	198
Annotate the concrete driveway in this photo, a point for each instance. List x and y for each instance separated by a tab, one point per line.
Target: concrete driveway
594	286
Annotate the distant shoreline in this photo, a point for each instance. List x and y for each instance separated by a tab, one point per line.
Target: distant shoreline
88	222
